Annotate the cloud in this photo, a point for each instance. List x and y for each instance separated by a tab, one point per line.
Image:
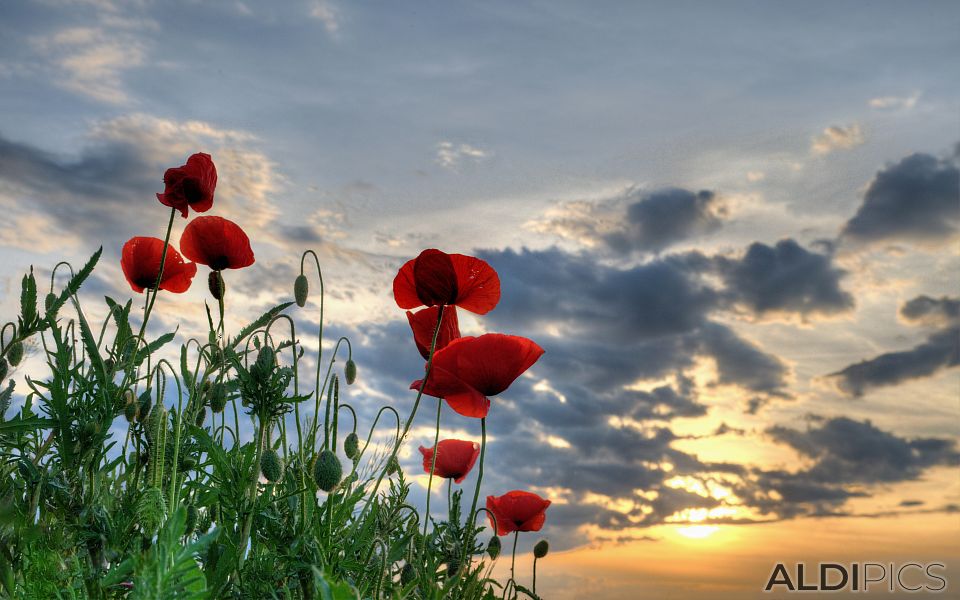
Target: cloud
913	200
784	279
328	14
837	137
941	350
637	220
450	155
931	311
895	102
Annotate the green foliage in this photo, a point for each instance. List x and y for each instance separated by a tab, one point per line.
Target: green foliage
174	507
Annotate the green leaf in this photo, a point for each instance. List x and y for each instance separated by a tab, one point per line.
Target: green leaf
260	322
150	348
73	286
28	301
19	424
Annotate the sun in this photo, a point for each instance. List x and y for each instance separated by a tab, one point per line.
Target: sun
697	532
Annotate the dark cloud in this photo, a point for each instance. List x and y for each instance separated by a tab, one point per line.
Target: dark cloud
785	278
931	311
664	217
939	351
917	199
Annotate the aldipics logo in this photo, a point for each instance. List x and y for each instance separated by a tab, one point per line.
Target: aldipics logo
859	577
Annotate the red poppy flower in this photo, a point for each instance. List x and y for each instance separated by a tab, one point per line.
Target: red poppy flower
140	261
216	242
190	185
517	511
423	322
436	277
455	458
471	368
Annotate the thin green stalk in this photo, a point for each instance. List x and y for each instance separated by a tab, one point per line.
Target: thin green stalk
513	558
433	466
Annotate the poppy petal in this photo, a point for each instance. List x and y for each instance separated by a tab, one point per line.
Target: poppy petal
478	285
424	322
217	243
404	288
489	363
455	459
191	185
517	511
140	262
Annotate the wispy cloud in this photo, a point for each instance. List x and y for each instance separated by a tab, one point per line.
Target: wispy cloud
895	102
328	14
450	155
837	137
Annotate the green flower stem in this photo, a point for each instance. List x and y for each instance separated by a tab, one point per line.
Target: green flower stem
409	421
433	466
476	490
156	287
534	574
513	557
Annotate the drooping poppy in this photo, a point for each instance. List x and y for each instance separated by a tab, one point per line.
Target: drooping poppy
191	185
216	242
435	278
454	460
140	261
424	322
517	511
470	369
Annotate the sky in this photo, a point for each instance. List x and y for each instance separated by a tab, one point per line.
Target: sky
733	227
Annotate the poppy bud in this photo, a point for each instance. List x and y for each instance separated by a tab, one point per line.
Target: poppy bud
201	416
15	353
204	522
493	547
407	574
541	549
130	411
108	365
453	565
350	372
266	360
191	522
151	510
49	301
327	471
214	513
393	465
271	465
218	398
3	368
216	284
351	446
145	404
300	289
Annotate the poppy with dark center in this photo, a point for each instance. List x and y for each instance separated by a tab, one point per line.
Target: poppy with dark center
140	261
470	369
424	323
436	278
190	185
517	511
216	242
454	460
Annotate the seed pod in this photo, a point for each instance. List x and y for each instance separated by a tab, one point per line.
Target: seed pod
351	446
218	398
493	547
301	288
15	353
541	549
350	372
145	404
327	471
271	465
3	368
191	523
407	574
201	416
49	301
216	285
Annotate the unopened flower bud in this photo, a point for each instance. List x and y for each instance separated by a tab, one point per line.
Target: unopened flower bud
393	465
216	284
218	398
201	416
3	368
351	446
271	465
49	301
266	360
145	404
131	410
191	522
350	372
15	353
493	547
407	574
301	287
327	471
541	549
